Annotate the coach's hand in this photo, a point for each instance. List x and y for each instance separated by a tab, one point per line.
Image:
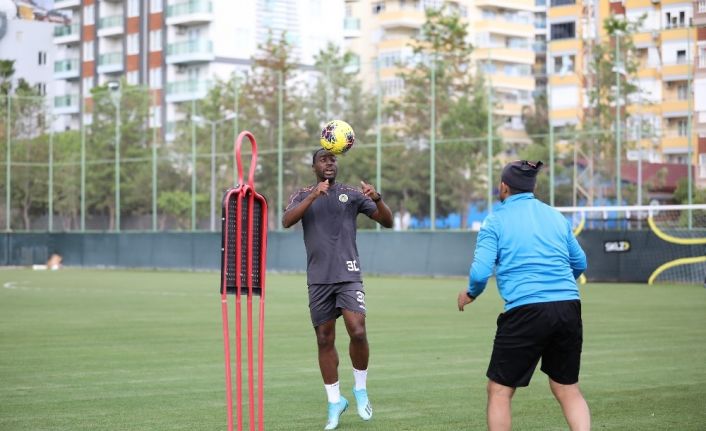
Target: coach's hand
463	300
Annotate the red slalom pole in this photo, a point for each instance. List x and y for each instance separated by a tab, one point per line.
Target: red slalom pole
244	257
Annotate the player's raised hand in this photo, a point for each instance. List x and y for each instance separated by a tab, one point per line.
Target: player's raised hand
321	188
369	190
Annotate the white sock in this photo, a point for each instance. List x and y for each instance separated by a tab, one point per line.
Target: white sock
333	392
360	377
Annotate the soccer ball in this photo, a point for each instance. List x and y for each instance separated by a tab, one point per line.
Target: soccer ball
337	137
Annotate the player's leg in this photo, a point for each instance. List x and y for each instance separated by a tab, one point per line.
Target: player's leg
328	356
352	303
358	347
573	404
516	351
561	361
322	305
499	406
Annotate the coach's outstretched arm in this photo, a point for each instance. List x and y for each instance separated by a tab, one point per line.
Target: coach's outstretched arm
292	215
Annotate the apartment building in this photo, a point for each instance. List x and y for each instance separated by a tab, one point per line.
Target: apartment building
503	33
700	88
26	39
665	48
177	48
504	39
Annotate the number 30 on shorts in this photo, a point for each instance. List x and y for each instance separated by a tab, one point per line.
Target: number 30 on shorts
352	265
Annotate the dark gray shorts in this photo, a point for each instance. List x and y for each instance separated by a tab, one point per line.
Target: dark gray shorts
327	300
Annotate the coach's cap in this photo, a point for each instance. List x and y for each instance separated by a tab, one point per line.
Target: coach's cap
521	174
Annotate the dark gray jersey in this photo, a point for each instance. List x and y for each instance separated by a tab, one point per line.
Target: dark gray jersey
330	233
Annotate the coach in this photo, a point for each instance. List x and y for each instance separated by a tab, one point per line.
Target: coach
538	261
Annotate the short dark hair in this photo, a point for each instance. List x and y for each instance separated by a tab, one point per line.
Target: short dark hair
316	153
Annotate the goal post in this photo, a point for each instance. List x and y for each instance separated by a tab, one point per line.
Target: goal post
651	243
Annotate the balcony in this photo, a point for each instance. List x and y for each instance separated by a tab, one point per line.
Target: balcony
66	4
66	104
410	18
67	34
182	91
351	27
67	69
111	62
110	26
191	12
675	108
678	71
505	54
505	28
509	4
192	51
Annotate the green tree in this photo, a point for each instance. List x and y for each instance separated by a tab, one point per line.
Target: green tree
460	119
7	71
67	178
615	54
135	153
259	113
29	153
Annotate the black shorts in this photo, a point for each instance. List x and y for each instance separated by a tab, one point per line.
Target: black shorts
552	331
327	300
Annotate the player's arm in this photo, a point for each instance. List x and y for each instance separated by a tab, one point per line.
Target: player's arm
382	213
295	211
484	259
577	257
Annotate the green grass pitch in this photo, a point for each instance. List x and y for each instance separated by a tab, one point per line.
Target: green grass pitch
130	350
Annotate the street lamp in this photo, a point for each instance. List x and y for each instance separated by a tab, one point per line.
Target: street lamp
115	95
199	119
619	69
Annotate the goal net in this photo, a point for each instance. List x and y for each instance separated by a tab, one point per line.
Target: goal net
654	244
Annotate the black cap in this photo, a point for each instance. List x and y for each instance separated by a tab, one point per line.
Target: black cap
521	174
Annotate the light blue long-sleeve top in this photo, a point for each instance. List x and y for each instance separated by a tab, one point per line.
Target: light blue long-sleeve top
533	250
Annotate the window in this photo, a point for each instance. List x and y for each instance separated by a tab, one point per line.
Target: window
133	77
133	43
156	116
390	59
378	7
156	6
89	13
702	165
87	85
564	30
392	87
156	78
682	126
681	56
41	88
133	8
88	51
156	40
42	58
562	2
682	91
702	6
563	64
431	4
